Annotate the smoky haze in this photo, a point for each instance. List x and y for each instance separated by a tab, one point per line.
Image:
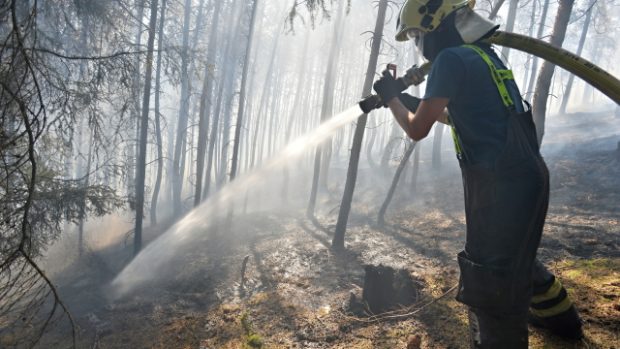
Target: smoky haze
239	96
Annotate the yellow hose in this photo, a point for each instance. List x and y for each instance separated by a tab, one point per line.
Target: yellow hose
589	72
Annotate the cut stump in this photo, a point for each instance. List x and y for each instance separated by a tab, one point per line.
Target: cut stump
387	289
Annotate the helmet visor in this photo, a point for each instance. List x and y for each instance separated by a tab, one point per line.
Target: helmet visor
414	34
418	37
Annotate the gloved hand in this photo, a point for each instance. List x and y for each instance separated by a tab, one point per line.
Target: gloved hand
410	102
388	88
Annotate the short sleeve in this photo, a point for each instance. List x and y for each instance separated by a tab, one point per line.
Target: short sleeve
446	76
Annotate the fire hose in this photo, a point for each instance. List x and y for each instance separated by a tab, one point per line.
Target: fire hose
589	72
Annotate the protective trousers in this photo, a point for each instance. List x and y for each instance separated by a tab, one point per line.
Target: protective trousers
505	207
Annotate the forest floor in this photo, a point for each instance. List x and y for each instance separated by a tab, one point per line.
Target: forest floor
297	286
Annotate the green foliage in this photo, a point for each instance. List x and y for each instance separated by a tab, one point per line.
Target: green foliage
246	323
255	341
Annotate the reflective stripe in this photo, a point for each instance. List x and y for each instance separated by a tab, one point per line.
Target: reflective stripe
506	74
555	310
552	302
551	293
498	75
456	140
555	293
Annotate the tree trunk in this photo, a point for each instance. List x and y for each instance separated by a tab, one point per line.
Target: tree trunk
227	115
498	4
347	197
144	122
416	168
541	28
582	40
179	147
244	76
226	85
546	72
528	61
510	24
437	140
299	92
205	105
399	171
326	111
588	91
266	94
135	111
159	145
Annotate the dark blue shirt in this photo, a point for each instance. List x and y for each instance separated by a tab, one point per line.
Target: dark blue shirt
476	108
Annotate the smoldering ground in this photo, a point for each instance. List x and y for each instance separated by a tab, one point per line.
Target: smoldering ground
290	260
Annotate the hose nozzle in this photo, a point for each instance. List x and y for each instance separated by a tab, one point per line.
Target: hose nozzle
414	76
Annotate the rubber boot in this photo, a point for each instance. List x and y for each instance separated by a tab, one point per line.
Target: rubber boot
551	307
566	324
491	331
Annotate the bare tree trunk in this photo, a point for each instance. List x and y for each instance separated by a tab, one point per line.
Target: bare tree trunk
397	174
326	111
528	61
416	168
437	141
244	76
370	143
347	197
226	86
227	115
266	94
588	91
135	111
299	92
543	83
159	145
213	139
179	147
541	28
144	123
510	24
205	105
498	4
582	40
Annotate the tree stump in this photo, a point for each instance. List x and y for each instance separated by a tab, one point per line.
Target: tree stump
386	289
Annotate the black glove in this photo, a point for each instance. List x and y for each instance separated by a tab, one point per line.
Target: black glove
388	88
410	102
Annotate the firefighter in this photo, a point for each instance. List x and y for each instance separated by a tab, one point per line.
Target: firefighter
506	182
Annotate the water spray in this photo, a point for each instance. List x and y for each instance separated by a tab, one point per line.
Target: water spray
588	71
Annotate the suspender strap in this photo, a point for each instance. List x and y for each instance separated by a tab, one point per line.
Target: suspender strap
498	75
457	141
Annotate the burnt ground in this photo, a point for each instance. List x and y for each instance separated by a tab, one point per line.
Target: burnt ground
296	285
